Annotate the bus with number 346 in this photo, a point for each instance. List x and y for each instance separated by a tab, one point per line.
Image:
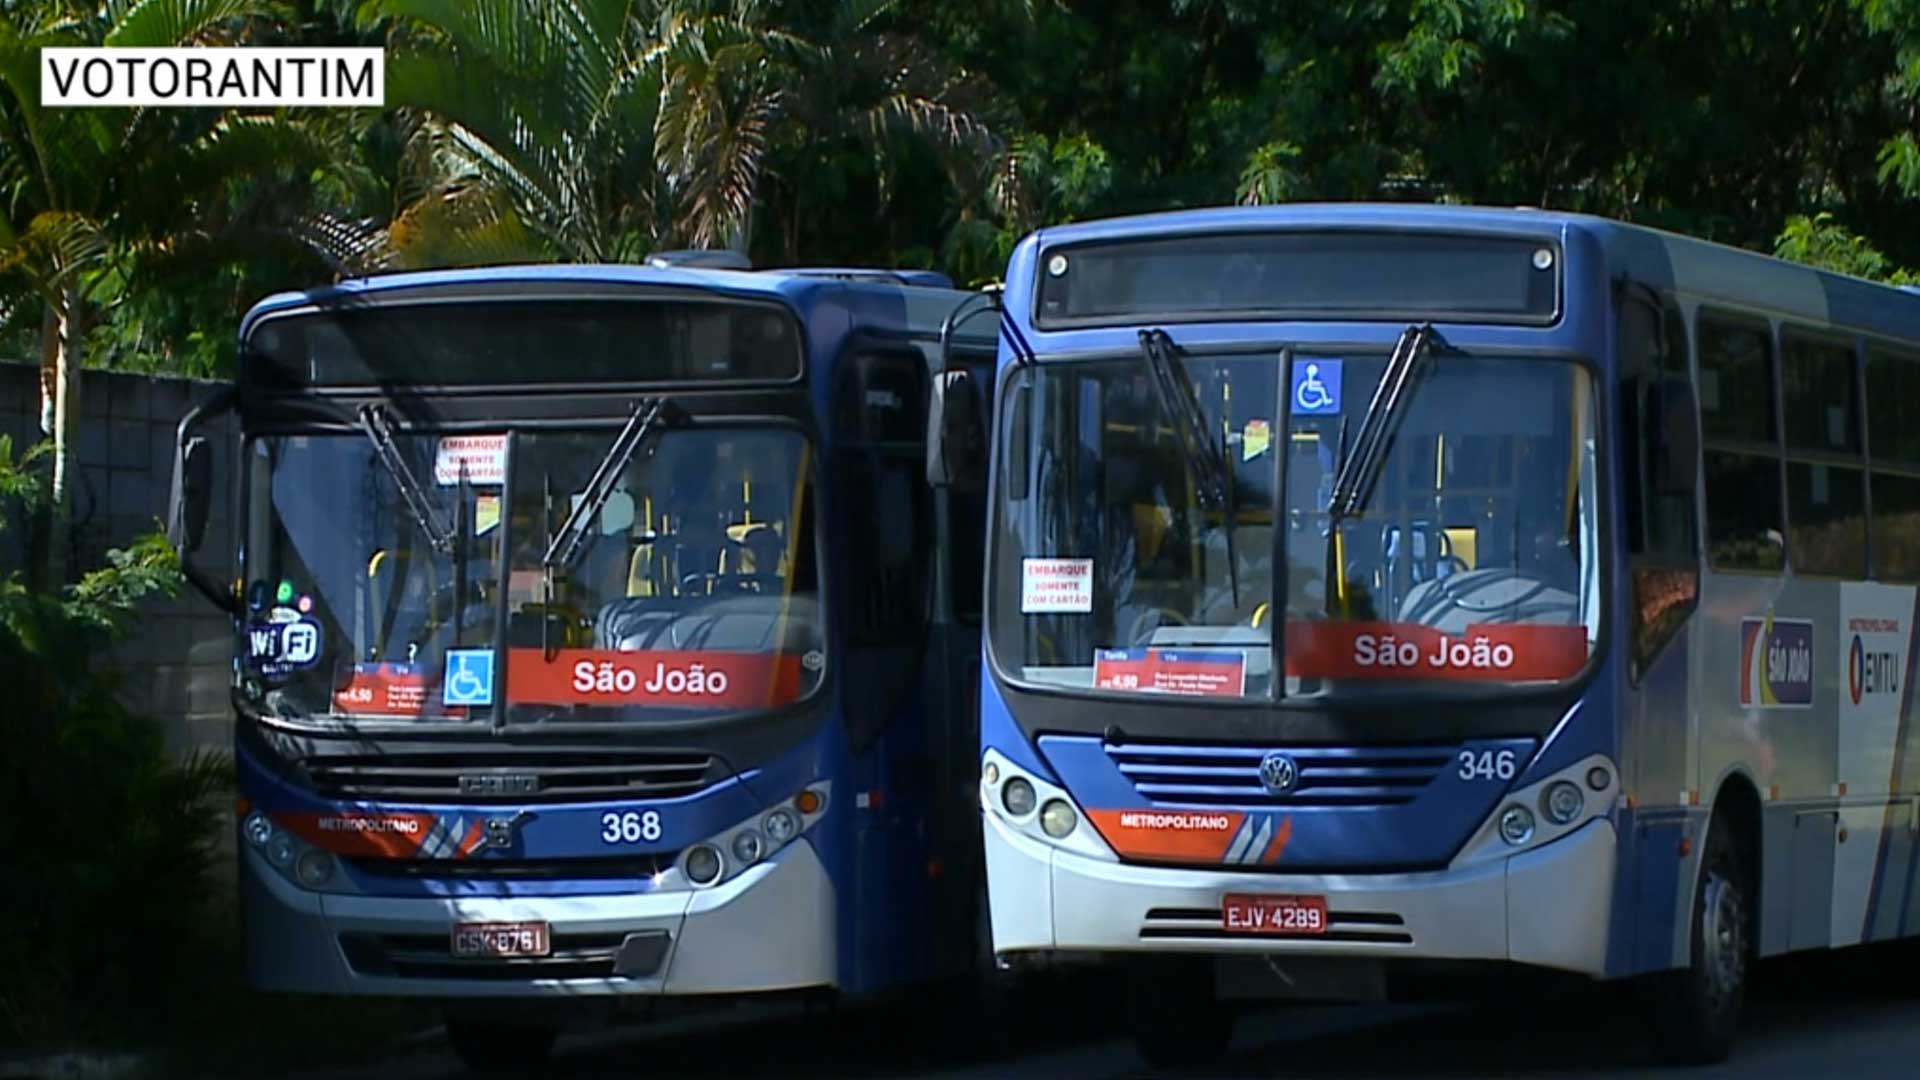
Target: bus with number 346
1381	596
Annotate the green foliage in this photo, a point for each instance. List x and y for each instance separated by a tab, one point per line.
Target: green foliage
106	840
1823	242
904	132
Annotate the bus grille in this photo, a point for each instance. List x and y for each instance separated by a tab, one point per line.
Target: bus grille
572	775
1230	775
629	868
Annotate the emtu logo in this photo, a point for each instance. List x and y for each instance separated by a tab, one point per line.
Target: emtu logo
1868	673
1776	663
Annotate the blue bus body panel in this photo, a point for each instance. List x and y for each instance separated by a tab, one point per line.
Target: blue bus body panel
551	831
1373	827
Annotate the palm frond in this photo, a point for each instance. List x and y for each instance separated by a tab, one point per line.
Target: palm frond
160	23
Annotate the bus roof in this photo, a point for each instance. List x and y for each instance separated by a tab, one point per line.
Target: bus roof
878	303
1659	259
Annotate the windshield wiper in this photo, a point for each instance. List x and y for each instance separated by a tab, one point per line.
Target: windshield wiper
572	535
1205	457
1360	462
378	427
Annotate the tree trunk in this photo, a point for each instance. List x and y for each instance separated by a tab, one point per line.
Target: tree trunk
66	422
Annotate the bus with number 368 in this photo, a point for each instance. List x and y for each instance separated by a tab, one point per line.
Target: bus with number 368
1382	596
598	637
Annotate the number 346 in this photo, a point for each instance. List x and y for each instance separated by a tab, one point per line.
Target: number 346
1486	765
631	827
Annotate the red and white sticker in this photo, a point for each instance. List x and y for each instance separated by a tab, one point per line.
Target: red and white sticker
1055	586
483	456
393	836
675	680
1192	673
1382	650
385	690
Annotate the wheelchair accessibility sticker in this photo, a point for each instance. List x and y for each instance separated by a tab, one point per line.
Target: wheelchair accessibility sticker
1316	387
469	677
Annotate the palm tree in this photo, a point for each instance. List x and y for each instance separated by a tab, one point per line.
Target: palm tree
608	128
140	188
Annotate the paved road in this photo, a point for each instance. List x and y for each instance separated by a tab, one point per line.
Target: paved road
1794	1030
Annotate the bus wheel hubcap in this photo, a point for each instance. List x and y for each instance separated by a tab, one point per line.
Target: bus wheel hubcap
1724	935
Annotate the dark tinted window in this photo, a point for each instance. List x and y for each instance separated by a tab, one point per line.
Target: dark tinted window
1397	275
1826	478
1893	406
1893	432
1827	506
503	342
1741	453
1823	411
885	505
1661	510
882	398
1736	382
1896	526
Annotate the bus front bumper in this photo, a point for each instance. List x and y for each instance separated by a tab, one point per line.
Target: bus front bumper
1546	907
771	928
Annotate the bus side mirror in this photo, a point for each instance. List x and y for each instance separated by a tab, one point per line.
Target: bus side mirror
188	502
956	433
190	498
1677	458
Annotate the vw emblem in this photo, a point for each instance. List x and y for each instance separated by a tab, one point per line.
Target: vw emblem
1278	773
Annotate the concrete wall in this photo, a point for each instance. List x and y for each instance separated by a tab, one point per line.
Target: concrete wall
178	657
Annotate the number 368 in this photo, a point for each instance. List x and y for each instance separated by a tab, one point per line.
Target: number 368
1487	765
631	827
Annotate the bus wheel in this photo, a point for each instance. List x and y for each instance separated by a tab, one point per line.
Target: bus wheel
1696	1010
499	1048
1175	1017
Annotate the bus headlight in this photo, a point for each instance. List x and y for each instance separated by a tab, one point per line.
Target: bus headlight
1516	825
259	830
748	847
732	852
703	864
1058	819
280	850
781	826
313	868
1017	797
1563	802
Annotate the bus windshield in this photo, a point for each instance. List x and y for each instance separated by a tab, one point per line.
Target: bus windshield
1470	557
378	576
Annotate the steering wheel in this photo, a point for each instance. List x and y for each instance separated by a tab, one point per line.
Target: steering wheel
718	583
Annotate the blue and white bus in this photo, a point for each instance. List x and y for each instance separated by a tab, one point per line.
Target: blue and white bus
599	635
1385	592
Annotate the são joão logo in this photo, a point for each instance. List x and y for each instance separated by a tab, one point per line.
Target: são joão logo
1776	663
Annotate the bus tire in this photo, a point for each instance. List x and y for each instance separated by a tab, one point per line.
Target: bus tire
499	1048
1176	1019
1697	1009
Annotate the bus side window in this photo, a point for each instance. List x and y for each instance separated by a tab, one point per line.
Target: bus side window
1740	437
1893	433
1662	457
1826	472
885	529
